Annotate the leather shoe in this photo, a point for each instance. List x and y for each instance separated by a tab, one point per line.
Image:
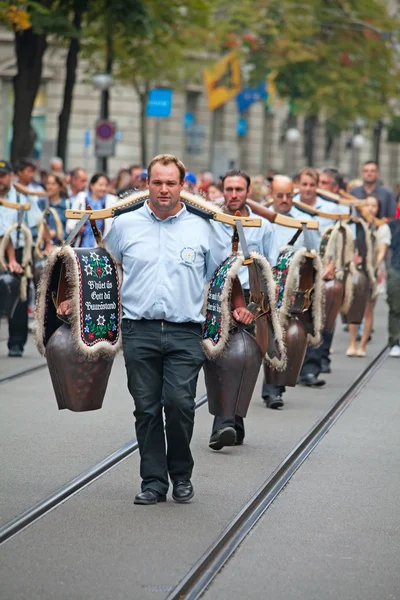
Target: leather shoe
273	401
325	367
223	437
149	497
15	351
182	491
311	380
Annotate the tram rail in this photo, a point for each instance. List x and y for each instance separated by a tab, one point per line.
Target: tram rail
22	373
59	496
198	579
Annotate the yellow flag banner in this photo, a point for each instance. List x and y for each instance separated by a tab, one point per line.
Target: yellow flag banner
222	80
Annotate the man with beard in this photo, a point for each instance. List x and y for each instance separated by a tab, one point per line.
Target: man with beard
18	323
228	431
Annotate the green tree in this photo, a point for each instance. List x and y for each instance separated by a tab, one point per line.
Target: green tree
164	55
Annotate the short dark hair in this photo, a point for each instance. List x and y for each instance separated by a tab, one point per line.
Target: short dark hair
335	175
236	173
96	177
135	166
75	171
23	163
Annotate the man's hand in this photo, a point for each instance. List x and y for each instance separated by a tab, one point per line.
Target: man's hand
65	308
329	271
242	315
15	267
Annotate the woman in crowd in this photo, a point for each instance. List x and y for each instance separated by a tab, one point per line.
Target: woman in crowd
214	194
58	200
97	198
381	243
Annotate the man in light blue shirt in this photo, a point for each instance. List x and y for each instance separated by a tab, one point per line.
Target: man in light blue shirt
18	323
228	431
167	255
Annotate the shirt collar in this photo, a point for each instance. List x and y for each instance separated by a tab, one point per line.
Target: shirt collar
151	214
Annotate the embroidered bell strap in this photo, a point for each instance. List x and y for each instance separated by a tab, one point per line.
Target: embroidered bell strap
301	300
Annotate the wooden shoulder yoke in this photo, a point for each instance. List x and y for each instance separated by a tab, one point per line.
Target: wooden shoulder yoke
202	208
24	190
14	205
320	213
273	217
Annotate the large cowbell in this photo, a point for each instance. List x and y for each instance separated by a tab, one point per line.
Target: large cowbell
80	350
233	355
299	299
361	296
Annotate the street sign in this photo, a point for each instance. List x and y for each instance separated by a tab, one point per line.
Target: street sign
86	138
249	96
188	120
105	138
159	103
222	80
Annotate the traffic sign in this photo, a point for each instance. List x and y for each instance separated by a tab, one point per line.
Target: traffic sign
249	96
159	103
105	138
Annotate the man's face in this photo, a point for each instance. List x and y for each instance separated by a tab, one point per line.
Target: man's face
26	175
308	189
5	182
134	174
80	181
164	187
235	193
326	182
370	173
282	194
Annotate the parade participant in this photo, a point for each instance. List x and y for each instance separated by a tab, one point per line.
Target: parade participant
282	193
167	254
57	196
25	170
97	198
372	187
330	179
382	236
228	431
308	184
18	323
393	290
77	183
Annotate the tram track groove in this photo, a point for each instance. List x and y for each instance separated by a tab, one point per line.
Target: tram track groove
23	373
68	490
198	579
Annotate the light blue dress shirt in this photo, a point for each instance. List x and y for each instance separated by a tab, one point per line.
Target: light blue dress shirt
285	234
9	217
259	239
165	263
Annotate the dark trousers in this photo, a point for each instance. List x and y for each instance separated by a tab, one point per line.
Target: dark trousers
162	361
272	390
393	300
327	339
18	323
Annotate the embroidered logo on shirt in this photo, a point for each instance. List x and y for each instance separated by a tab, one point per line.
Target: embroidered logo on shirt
188	255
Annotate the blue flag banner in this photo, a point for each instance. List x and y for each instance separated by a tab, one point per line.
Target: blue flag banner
249	96
159	103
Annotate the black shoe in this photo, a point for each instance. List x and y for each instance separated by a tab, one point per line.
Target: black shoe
239	440
15	351
273	401
149	497
325	367
223	437
311	380
182	491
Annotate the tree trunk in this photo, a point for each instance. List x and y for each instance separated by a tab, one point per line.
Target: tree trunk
377	140
310	123
143	121
29	50
70	79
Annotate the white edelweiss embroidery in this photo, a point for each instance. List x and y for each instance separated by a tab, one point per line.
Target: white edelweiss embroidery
108	269
89	270
94	256
101	320
188	255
